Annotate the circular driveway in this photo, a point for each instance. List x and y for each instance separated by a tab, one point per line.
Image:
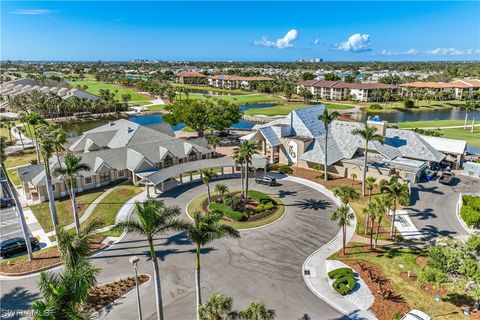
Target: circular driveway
264	264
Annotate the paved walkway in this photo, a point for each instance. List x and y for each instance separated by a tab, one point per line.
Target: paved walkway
317	281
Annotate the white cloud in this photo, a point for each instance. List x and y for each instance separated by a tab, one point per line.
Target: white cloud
316	41
437	52
282	43
356	43
32	11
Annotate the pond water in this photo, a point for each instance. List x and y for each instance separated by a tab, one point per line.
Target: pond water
74	129
406	116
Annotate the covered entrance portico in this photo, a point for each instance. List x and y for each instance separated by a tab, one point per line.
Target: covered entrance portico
175	175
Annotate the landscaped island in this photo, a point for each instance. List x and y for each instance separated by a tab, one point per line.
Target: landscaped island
260	208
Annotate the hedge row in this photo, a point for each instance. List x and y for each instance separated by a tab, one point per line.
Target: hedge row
470	211
344	280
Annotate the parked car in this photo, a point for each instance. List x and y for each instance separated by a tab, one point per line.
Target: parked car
447	178
13	246
6	202
268	180
415	314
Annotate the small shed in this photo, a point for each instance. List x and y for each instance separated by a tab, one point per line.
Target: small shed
471	169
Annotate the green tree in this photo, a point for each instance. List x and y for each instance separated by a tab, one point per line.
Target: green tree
9	125
369	133
222	190
18	204
257	310
308	76
213	141
353	175
204	230
218	307
154	218
331	77
71	167
306	94
34	120
398	193
207	176
343	215
346	193
327	118
369	185
247	149
222	114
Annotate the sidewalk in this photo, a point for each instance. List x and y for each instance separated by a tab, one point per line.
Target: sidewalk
405	226
317	281
36	229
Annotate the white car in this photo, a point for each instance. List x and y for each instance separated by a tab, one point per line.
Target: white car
415	314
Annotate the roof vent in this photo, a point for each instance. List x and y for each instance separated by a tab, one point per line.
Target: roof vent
111	123
129	129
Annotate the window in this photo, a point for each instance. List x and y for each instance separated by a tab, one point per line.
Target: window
104	176
192	156
121	173
88	180
168	161
53	187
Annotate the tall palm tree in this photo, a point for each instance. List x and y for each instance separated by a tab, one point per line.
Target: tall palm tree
239	161
384	203
343	215
8	124
327	118
346	193
213	141
247	149
18	204
369	185
368	134
154	218
218	307
72	167
47	149
204	230
469	108
222	190
207	176
398	193
34	120
257	310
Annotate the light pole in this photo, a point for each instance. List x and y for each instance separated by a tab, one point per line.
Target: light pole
134	260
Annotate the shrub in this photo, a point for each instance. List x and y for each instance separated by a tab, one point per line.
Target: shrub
340	272
233	202
344	280
409	104
432	275
375	106
265	206
470	211
285	169
232	214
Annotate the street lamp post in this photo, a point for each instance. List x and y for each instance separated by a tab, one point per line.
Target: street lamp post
134	260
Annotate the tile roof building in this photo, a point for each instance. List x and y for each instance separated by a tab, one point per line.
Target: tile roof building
190	77
299	139
235	82
457	89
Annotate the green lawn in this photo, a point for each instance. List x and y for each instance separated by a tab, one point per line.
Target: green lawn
208	88
108	208
388	260
20	158
64	209
284	109
473	139
156	107
429	124
237	99
419	105
13	175
94	88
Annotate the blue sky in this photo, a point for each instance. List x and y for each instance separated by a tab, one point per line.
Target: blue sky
240	31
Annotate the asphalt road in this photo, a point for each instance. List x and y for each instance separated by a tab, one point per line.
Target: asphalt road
265	264
10	226
433	206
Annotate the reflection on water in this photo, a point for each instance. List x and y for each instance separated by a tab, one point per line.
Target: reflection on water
406	116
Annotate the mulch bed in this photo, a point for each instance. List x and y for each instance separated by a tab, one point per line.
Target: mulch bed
313	175
124	192
42	260
101	296
383	308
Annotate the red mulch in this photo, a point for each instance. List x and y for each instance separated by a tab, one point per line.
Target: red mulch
80	207
101	296
124	192
313	175
383	308
41	260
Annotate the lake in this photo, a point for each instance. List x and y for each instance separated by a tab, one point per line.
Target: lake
407	116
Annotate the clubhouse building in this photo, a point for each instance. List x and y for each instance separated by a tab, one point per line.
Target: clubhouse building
299	140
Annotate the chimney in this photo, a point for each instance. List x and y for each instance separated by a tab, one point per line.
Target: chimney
379	124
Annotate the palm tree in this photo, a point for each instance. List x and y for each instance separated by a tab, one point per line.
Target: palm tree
218	307
222	190
213	141
8	124
353	175
368	134
73	166
207	176
247	149
33	119
385	203
327	118
377	210
346	194
257	310
398	193
370	185
47	149
343	215
154	218
239	161
469	108
18	204
205	229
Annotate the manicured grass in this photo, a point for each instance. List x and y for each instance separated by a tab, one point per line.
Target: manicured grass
64	209
95	86
388	260
429	124
473	139
108	208
208	88
13	175
156	107
284	109
238	99
20	158
419	105
196	205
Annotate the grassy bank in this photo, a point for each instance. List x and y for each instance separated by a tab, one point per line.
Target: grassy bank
284	109
208	88
95	86
237	99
